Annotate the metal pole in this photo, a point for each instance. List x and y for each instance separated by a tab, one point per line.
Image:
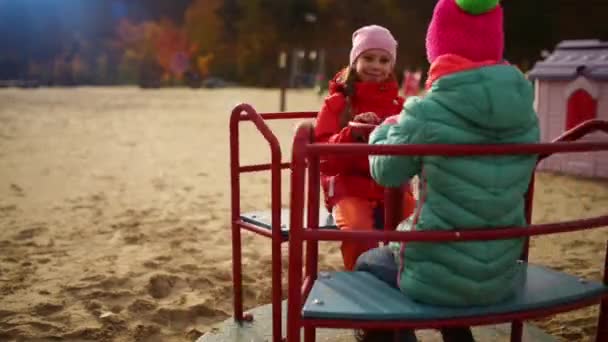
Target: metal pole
283	76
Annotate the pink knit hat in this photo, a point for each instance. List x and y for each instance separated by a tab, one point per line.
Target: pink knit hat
373	37
469	28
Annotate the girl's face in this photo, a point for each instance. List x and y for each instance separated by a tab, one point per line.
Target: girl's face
374	65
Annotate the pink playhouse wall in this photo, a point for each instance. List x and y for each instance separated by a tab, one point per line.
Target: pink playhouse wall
551	107
554	82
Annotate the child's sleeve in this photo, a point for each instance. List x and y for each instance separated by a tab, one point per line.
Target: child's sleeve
392	171
327	126
328	130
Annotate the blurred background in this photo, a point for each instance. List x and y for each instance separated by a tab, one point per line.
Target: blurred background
115	201
213	43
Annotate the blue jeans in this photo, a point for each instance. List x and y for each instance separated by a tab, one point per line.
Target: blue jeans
381	263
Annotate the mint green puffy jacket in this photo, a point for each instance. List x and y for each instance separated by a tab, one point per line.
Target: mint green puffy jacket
489	105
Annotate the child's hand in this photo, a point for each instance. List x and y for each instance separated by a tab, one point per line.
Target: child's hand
368	118
391	120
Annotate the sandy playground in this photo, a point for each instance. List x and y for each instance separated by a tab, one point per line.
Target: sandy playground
114	207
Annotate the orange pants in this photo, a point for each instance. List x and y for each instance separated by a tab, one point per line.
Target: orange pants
354	213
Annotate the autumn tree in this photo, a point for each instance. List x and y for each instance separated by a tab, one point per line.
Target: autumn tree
204	28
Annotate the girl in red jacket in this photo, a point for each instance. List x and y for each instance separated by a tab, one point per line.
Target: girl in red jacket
365	91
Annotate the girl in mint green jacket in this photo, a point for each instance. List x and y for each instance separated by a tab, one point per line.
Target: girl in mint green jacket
472	97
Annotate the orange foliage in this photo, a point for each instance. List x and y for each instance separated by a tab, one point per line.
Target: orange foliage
163	40
203	63
203	24
174	49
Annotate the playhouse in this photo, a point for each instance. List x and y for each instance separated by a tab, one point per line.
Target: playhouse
571	86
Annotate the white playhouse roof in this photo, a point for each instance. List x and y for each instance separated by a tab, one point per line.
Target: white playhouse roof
572	58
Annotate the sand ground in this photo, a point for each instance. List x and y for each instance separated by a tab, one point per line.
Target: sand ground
114	214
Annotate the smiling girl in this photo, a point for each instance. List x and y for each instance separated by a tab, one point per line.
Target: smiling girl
365	91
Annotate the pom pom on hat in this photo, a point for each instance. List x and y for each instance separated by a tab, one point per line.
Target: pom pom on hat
477	7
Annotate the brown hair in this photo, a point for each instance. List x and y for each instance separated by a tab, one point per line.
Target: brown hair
348	78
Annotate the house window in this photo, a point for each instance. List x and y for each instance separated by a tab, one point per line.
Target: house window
581	107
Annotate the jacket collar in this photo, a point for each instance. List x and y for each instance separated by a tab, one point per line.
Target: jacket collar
450	64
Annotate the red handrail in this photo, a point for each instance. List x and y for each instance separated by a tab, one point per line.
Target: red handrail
578	132
457	235
455	150
298	164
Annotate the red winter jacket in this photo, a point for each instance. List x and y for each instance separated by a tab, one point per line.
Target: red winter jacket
350	176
